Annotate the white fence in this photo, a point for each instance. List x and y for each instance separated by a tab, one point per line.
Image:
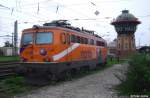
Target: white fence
6	51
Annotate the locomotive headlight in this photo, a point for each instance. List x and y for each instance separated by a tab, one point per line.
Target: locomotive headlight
43	52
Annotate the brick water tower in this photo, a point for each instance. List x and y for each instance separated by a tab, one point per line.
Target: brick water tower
125	26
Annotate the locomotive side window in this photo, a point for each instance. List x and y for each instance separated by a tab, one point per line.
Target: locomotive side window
94	42
99	43
91	42
82	40
44	38
86	41
68	38
78	39
27	39
73	38
103	44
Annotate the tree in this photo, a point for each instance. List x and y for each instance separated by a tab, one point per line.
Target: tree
1	53
8	44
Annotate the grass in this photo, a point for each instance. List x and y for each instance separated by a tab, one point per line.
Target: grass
13	85
9	58
138	77
113	61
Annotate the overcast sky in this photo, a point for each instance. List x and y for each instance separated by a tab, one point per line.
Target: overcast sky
31	12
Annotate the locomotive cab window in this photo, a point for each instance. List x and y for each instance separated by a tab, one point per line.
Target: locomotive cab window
44	38
27	39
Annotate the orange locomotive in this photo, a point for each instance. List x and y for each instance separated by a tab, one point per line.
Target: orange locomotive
57	47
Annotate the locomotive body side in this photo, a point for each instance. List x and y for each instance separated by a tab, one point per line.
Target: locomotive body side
61	48
49	51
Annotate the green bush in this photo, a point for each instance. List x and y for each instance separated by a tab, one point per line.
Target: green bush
138	75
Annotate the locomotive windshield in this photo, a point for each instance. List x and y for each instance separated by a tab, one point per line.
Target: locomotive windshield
27	39
44	38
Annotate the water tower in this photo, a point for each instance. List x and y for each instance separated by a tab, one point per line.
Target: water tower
125	26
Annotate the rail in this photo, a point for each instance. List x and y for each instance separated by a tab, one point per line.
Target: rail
7	68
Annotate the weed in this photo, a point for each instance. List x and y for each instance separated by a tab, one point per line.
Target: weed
138	76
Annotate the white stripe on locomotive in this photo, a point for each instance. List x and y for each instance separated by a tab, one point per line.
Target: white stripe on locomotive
66	51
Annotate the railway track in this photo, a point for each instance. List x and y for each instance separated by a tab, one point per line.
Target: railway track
7	68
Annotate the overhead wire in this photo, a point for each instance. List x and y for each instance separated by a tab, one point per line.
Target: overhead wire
5	31
78	4
3	6
77	19
70	9
15	9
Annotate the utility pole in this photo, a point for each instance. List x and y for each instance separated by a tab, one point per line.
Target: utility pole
15	37
12	38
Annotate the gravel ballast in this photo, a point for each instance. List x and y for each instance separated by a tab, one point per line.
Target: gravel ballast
98	85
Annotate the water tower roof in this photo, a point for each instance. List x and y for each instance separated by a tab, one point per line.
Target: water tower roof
125	17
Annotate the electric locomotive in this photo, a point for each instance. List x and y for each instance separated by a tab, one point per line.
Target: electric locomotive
55	48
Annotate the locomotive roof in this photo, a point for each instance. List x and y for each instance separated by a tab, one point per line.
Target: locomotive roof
65	24
62	24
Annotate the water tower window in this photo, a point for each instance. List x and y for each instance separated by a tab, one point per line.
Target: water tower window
118	45
126	46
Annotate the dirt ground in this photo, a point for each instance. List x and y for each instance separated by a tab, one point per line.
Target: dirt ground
99	85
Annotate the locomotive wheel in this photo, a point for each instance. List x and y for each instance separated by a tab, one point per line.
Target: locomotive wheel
74	72
68	75
65	75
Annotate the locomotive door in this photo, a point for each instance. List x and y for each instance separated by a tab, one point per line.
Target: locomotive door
32	47
27	44
65	38
68	45
99	55
32	52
